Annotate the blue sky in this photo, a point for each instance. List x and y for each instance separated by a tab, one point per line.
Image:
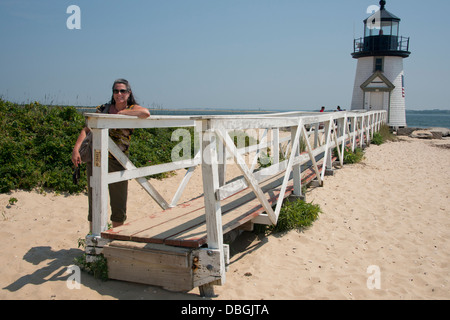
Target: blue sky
237	54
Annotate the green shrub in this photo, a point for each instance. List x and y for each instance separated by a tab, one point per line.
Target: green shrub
98	268
36	146
37	141
383	135
351	156
385	132
377	139
296	214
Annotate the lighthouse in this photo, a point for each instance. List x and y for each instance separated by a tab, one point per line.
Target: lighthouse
380	80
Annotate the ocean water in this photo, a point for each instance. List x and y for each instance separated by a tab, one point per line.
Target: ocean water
424	119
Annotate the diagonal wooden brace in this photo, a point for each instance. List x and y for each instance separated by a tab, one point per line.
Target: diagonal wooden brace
127	164
252	182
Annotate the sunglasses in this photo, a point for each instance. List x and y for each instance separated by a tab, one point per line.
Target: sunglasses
116	91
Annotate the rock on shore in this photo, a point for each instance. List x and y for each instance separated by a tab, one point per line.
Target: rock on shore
430	133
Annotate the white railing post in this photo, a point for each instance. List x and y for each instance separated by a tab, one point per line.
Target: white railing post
213	210
99	181
276	145
296	169
327	156
354	132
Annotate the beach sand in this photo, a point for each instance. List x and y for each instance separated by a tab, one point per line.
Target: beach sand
386	219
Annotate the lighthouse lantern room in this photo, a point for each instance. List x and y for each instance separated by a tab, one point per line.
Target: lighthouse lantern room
379	80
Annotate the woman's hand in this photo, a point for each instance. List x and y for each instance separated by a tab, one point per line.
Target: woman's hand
76	158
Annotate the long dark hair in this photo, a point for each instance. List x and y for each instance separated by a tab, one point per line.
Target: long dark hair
131	101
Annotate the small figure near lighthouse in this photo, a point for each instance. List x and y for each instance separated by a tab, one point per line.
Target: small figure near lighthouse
380	80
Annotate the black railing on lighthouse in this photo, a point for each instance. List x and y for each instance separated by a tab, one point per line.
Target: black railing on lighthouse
373	44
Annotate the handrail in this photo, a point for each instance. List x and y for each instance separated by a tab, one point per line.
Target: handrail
337	128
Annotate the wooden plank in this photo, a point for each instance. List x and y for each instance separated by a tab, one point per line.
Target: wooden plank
169	226
146	267
159	233
157	227
154	253
238	213
235	209
231	220
180	213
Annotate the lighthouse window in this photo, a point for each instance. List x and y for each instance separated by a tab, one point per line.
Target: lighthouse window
395	28
386	28
379	64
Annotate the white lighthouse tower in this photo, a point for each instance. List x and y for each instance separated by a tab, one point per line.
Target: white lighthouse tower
379	80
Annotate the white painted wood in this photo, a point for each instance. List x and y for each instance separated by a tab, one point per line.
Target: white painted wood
354	133
276	145
263	218
151	170
340	157
99	181
328	126
182	186
101	121
213	210
296	169
344	141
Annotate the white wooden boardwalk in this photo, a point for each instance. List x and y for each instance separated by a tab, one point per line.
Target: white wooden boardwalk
254	197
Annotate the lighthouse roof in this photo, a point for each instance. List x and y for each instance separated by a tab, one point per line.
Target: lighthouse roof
384	14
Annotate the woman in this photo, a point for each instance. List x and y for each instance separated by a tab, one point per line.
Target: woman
122	102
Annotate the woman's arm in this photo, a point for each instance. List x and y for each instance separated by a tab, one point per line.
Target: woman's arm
76	158
136	110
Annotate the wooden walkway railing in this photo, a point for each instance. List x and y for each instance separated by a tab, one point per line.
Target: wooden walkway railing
305	138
